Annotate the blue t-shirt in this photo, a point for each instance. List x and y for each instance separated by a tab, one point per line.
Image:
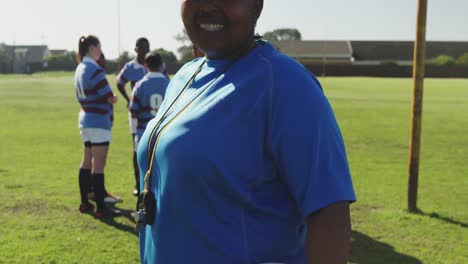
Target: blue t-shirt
92	92
239	171
147	97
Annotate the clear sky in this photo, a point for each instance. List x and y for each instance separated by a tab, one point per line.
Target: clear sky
59	23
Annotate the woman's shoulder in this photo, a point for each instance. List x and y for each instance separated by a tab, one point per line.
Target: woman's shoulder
91	71
281	61
284	70
89	65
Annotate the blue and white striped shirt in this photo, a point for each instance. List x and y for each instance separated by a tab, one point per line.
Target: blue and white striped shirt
92	92
147	97
133	72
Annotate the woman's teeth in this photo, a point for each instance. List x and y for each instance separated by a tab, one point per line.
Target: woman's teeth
211	27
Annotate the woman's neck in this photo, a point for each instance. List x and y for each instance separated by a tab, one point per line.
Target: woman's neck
233	54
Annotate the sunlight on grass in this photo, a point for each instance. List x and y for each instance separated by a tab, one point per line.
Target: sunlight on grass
41	151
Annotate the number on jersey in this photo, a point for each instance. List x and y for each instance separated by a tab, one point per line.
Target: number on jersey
155	103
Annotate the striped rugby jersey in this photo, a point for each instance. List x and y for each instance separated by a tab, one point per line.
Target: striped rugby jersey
133	71
147	97
92	92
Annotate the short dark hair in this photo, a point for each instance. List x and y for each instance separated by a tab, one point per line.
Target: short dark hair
140	41
153	61
83	45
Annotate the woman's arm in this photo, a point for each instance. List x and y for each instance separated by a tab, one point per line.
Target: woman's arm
328	234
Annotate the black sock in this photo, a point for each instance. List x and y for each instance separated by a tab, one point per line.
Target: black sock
99	190
105	191
138	185
84	179
91	184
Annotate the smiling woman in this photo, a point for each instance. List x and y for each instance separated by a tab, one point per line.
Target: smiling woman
244	162
221	30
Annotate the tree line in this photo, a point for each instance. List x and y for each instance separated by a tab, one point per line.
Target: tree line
67	61
446	60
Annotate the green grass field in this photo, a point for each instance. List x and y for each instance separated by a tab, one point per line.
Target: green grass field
40	151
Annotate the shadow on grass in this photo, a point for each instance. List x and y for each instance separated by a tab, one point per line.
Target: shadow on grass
366	250
123	227
442	218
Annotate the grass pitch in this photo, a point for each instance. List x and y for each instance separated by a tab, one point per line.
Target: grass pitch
40	151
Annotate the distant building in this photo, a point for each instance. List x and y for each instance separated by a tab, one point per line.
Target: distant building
4	59
317	51
26	59
58	52
401	52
